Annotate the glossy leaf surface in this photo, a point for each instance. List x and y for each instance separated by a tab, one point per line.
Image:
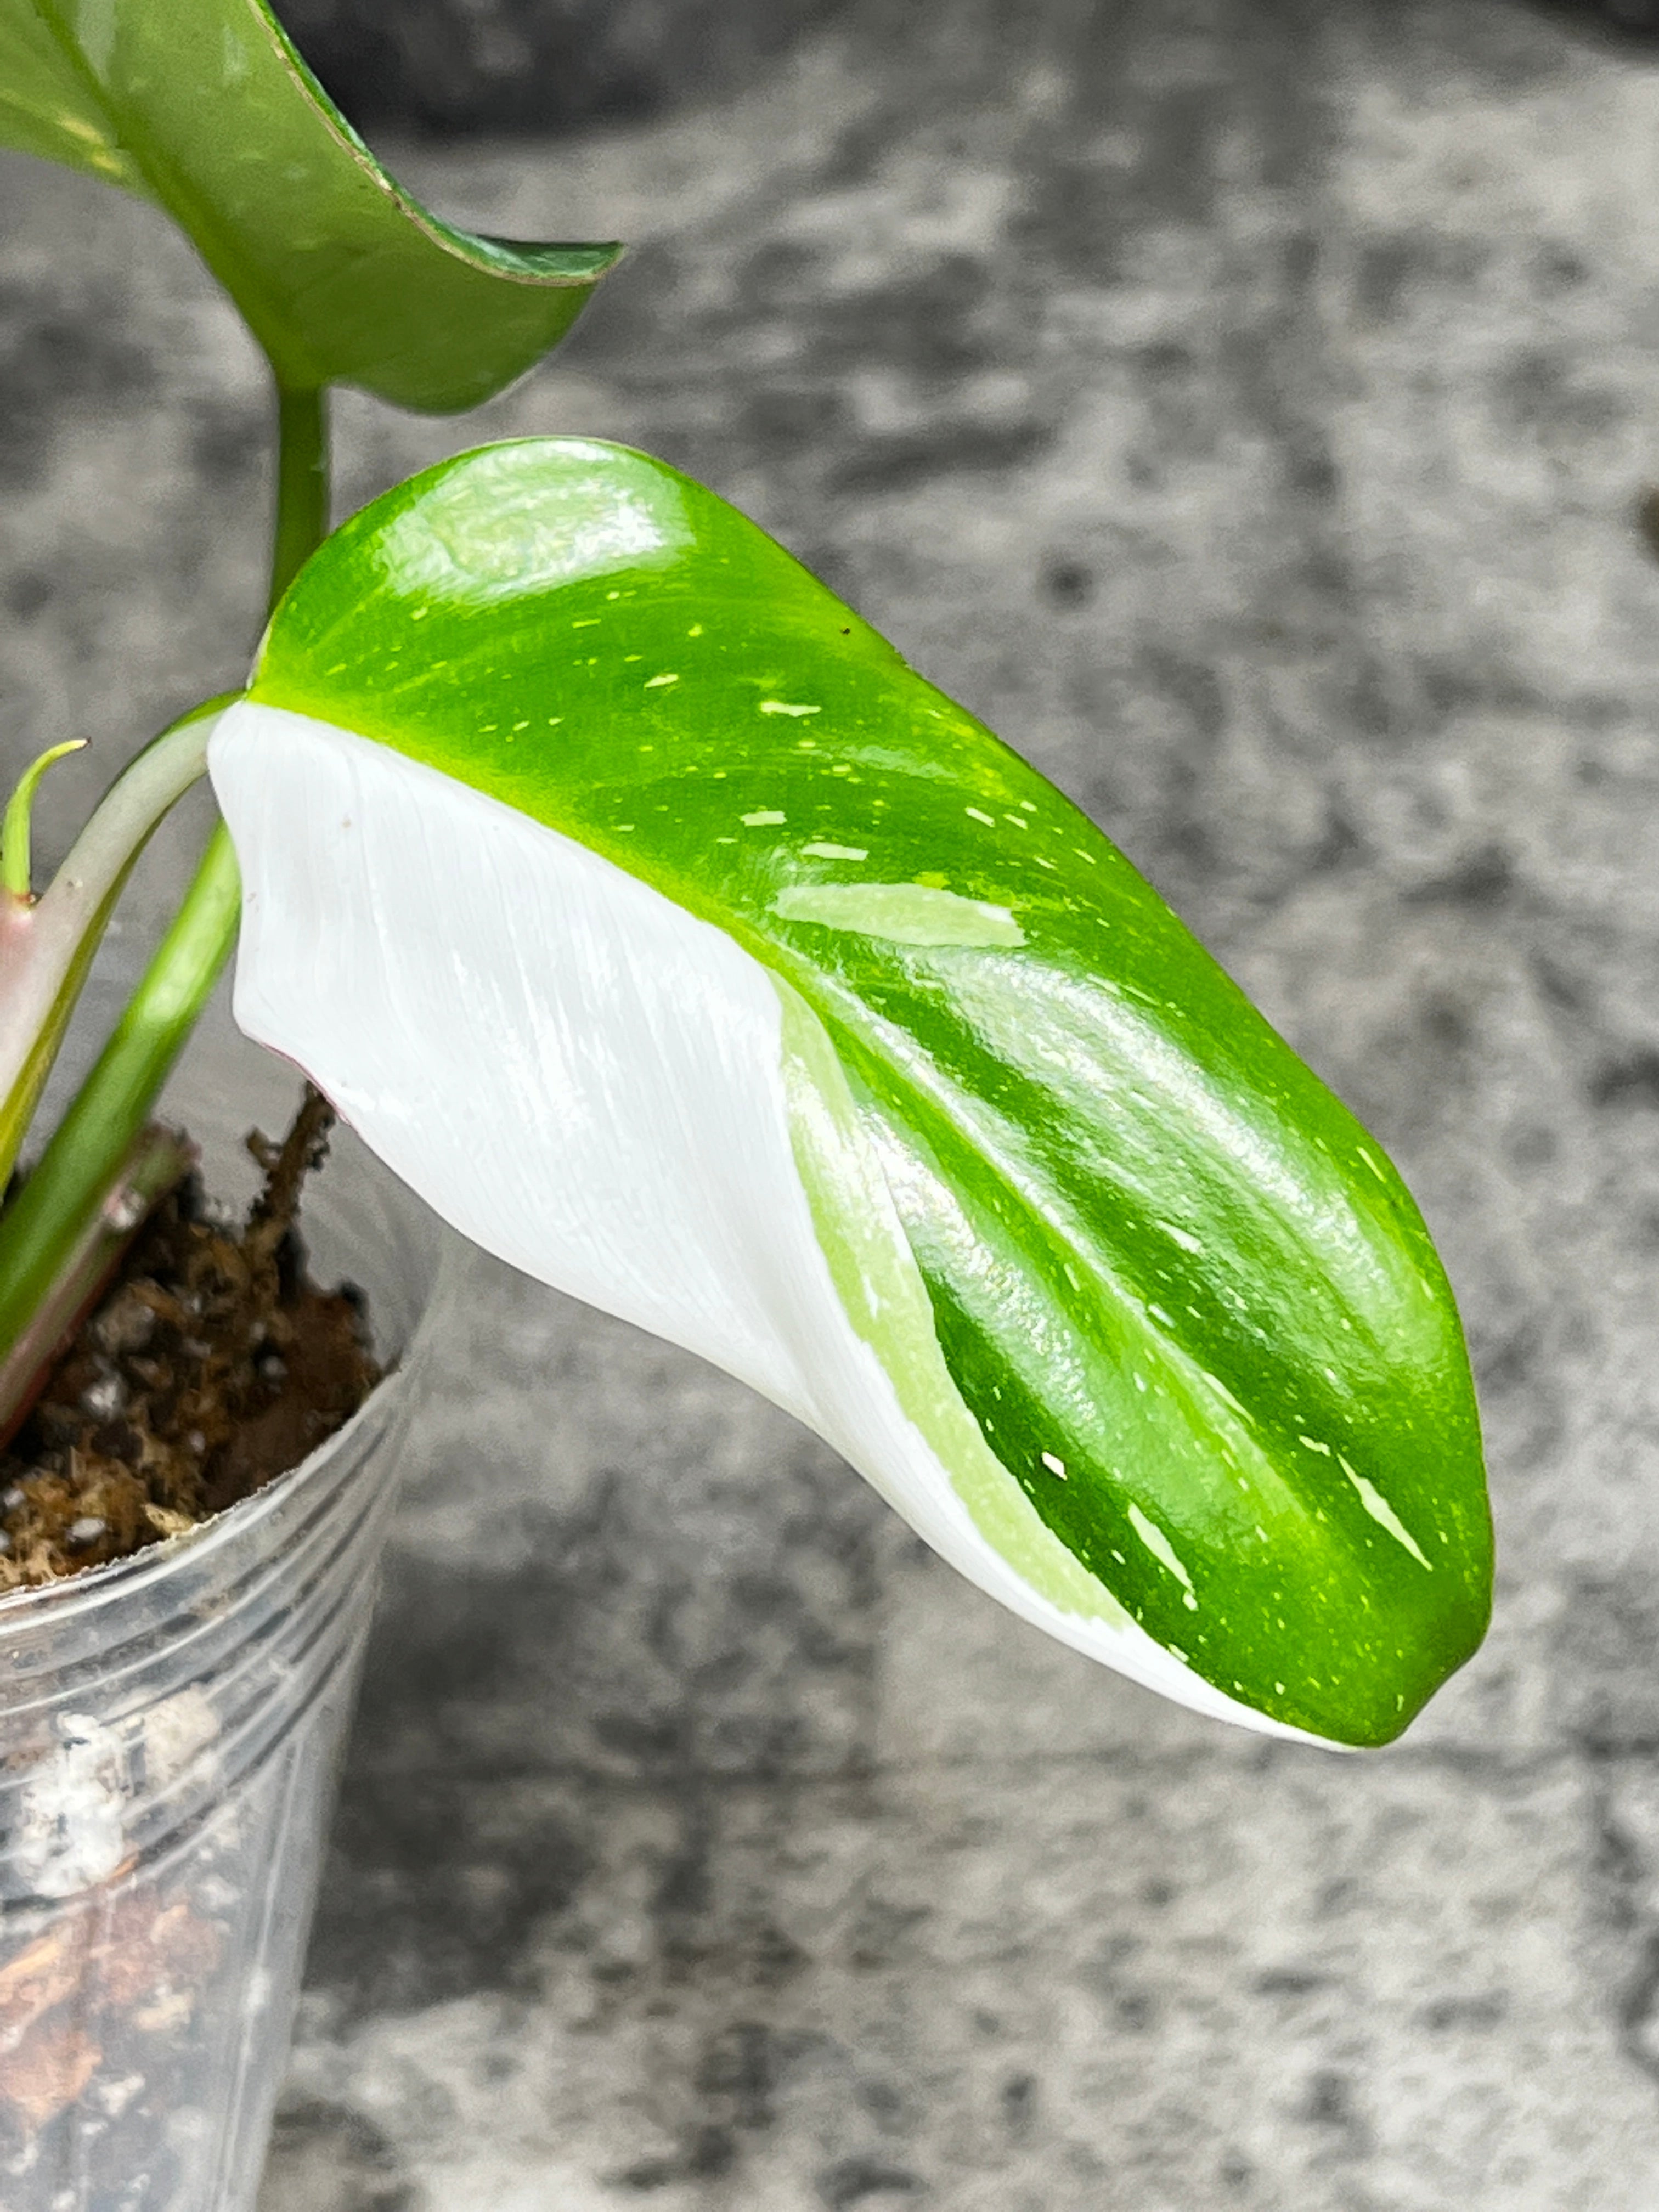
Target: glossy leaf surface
205	106
689	950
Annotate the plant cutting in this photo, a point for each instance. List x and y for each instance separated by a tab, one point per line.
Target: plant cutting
642	910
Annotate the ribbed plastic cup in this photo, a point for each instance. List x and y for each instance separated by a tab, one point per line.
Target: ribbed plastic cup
170	1727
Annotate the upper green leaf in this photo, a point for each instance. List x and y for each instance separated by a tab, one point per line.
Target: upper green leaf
48	105
1169	1322
206	107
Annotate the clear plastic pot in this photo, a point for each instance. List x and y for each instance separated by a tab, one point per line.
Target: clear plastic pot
169	1728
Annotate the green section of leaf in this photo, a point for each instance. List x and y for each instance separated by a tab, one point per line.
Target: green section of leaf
342	276
47	106
887	1302
1162	1259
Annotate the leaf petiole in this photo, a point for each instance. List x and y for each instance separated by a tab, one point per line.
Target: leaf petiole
46	1224
301	517
155	1164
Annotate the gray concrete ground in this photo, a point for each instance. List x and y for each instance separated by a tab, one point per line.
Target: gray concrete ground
1244	407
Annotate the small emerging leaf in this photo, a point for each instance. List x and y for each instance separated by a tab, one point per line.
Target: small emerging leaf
686	949
205	106
17	824
46	945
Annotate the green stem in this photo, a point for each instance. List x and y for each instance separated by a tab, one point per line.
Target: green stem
302	521
90	1144
157	1163
45	1222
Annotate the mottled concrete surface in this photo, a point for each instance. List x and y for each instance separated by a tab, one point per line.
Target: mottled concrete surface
439	65
1244	407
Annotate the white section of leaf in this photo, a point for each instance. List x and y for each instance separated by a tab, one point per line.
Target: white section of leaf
1382	1513
587	1081
561	1057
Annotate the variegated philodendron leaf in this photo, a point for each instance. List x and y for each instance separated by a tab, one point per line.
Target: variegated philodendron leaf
205	106
685	949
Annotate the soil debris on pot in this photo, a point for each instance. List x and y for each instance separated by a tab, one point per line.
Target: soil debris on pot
211	1365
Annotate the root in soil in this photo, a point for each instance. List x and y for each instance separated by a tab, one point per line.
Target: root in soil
212	1364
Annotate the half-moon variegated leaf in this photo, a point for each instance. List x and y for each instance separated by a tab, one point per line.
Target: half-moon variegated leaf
205	106
687	949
